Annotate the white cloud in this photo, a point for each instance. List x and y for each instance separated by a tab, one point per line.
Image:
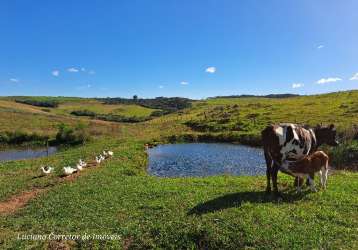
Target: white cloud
328	80
297	85
320	46
72	70
354	77
87	86
160	86
91	72
15	80
210	70
184	83
55	72
83	69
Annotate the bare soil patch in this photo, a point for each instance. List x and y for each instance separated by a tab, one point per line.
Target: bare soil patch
18	201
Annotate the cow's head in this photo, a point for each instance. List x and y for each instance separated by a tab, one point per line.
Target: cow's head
326	135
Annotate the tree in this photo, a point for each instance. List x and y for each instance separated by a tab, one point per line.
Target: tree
135	97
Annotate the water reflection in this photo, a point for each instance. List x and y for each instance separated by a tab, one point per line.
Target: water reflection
30	153
205	159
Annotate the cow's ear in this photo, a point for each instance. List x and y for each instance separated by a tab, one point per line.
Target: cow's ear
331	127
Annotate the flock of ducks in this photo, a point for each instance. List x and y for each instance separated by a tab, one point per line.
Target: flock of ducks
80	165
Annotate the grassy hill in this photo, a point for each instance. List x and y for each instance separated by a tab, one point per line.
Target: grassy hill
251	115
220	212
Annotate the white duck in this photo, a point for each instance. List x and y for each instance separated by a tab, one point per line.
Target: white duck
110	153
99	159
82	163
79	167
46	169
69	170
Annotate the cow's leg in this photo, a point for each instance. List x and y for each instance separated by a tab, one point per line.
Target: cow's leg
274	172
298	188
268	171
298	181
309	178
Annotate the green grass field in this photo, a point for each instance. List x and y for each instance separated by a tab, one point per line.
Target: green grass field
97	107
251	115
219	212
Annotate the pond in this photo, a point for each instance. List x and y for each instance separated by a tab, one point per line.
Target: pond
205	159
29	153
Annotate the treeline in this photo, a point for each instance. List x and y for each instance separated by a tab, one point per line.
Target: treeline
278	96
249	139
110	117
168	104
42	103
19	137
69	135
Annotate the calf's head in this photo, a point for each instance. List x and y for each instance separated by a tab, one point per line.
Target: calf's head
326	135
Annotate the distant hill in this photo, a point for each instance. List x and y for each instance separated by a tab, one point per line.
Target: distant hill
278	96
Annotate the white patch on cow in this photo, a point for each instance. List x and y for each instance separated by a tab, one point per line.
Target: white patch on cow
281	134
295	135
286	150
313	138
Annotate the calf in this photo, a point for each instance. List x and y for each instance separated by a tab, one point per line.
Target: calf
307	167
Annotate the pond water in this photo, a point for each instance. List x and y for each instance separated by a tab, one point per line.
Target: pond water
205	159
29	153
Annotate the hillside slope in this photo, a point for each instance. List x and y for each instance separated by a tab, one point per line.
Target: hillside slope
218	212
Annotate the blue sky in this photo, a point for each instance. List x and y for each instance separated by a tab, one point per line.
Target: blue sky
184	48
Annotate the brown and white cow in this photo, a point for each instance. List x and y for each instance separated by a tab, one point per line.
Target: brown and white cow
289	142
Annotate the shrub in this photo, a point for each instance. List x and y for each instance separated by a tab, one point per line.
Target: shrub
345	155
110	117
349	133
47	103
121	118
183	138
70	135
158	113
251	139
83	113
19	137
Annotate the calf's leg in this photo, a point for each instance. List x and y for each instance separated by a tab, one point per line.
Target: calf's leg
311	183
324	176
321	177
